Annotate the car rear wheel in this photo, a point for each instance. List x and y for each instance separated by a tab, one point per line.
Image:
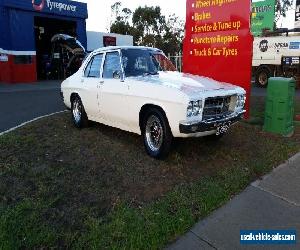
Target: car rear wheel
156	134
79	115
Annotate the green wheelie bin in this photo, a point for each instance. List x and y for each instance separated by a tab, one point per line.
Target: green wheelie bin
280	101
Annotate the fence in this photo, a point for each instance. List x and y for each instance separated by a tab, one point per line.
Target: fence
176	60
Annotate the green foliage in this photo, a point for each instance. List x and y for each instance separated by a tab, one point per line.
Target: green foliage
281	8
67	197
127	227
121	27
153	226
148	27
22	226
149	20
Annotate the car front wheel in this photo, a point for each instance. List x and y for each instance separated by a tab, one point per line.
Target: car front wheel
79	116
156	134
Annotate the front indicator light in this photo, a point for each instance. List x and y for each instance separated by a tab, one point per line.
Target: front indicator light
241	100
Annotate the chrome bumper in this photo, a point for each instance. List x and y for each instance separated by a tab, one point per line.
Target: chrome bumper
210	124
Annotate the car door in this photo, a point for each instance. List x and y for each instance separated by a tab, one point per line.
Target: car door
90	85
113	91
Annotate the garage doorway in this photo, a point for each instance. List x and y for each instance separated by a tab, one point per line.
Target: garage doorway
45	29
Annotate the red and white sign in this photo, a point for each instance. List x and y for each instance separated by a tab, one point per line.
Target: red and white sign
39	6
218	42
109	41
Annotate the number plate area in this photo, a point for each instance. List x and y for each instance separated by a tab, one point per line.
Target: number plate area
223	128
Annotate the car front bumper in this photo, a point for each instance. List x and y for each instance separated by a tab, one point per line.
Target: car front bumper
211	124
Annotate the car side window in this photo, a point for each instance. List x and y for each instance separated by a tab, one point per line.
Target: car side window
111	65
94	66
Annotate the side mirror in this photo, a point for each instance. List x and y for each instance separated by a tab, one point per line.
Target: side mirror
117	74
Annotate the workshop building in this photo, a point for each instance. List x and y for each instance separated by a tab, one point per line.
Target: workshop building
27	27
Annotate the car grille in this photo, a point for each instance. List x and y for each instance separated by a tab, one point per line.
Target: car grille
218	106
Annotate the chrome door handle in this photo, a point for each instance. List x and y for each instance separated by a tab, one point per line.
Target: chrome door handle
100	84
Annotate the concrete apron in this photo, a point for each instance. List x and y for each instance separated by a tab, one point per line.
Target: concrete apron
270	203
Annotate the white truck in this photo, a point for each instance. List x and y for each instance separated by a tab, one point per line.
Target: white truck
275	56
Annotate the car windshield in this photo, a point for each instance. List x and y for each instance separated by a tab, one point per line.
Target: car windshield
142	62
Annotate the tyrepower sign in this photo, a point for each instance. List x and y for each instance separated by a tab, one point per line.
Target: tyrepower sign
218	42
39	5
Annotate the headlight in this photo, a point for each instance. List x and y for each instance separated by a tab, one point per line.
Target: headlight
190	109
194	108
241	100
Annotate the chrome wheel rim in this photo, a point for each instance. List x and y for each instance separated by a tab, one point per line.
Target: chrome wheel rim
154	133
263	79
77	110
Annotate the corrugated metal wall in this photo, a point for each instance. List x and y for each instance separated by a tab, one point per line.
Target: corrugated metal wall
4	27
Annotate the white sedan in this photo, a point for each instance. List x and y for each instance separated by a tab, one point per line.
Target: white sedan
138	90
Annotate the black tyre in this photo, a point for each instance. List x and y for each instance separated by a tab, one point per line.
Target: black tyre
262	76
156	133
79	115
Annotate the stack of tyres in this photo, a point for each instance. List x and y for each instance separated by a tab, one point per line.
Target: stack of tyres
279	114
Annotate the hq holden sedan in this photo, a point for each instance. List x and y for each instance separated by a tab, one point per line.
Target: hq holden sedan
137	89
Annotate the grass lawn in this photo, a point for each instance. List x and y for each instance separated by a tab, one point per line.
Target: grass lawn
96	188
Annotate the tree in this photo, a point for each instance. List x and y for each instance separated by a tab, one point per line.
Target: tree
149	24
174	34
281	8
120	19
148	27
115	12
121	28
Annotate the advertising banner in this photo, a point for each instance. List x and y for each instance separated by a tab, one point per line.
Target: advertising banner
263	15
218	42
297	14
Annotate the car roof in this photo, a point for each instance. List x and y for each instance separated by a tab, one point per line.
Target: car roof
124	47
